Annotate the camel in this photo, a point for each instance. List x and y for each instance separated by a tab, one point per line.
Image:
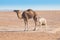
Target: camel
42	22
26	15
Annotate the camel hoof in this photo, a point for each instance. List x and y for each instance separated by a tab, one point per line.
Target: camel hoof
25	30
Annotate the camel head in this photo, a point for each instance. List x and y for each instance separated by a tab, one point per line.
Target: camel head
18	13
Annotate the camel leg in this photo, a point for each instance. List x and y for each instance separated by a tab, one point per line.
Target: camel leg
35	20
41	28
40	25
26	25
35	27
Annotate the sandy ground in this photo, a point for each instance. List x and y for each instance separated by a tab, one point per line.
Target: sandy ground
12	28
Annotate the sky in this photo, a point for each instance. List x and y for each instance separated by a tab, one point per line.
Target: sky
30	4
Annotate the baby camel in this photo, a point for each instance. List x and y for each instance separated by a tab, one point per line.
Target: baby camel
42	21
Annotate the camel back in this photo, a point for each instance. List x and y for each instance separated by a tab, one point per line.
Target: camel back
29	13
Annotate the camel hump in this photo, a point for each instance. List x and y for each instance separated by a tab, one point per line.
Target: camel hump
29	10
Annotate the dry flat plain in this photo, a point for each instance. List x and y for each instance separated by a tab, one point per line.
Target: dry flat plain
11	28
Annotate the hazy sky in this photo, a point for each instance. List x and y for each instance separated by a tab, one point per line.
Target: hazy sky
33	4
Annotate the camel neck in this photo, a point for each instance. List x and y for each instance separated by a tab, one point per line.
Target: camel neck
19	15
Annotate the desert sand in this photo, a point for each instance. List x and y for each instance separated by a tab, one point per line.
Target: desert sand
11	28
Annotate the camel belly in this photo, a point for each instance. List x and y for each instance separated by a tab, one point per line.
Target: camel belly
30	15
27	15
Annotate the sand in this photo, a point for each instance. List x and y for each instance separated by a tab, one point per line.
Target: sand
11	28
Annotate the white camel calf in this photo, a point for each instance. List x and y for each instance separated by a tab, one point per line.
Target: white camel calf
42	21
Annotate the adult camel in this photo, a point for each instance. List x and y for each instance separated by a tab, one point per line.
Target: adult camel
27	14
